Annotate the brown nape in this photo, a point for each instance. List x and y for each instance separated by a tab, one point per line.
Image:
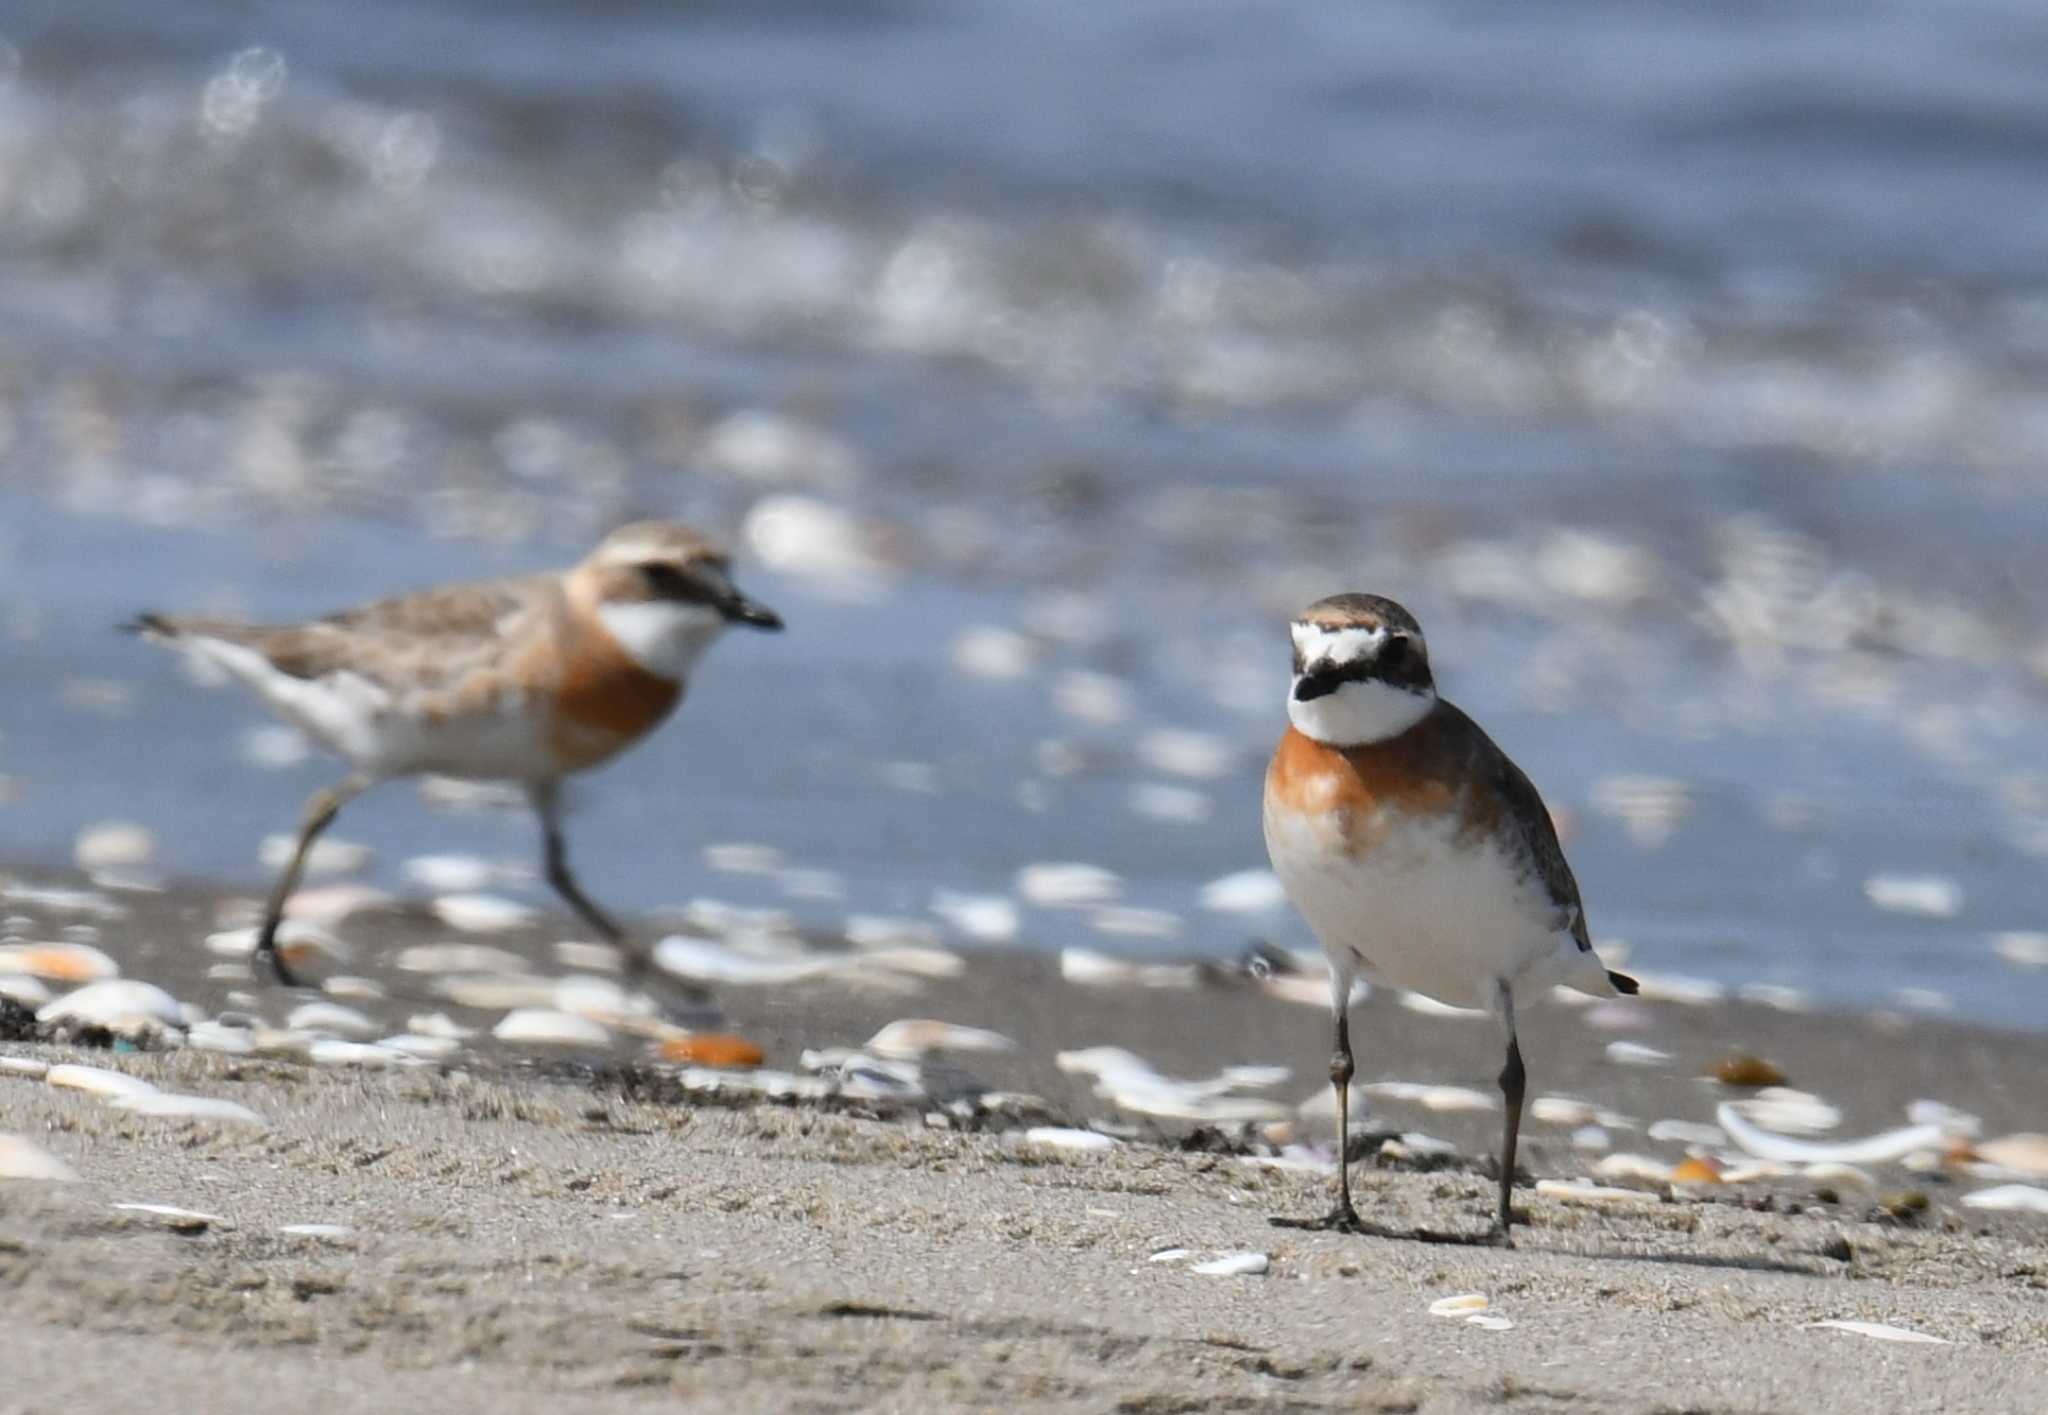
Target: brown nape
1359	611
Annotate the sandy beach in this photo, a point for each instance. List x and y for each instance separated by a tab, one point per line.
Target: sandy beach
535	1229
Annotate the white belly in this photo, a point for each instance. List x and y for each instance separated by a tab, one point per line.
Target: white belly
1422	910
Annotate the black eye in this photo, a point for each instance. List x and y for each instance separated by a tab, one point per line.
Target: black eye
667	580
1394	652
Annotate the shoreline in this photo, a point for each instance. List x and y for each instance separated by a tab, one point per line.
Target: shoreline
529	1224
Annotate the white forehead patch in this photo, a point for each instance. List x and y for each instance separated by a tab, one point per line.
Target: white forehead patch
1317	644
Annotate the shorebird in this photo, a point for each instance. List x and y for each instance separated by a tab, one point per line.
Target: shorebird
527	679
1420	855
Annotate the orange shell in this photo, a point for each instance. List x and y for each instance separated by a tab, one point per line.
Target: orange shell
713	1049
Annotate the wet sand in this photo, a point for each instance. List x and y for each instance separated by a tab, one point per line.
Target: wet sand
567	1233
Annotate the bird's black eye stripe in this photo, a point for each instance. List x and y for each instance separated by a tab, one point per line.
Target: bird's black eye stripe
670	582
1394	651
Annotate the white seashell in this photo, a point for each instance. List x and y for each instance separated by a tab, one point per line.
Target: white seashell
1877	1149
918	962
121	1005
1439	1098
1777	996
482	913
1490	1321
995	653
1234	1265
1687	1132
1591	1138
1430	1007
1172	805
701	960
1563	1110
212	1036
1413	1144
88	902
496	992
1059	1137
424	1047
1124	921
359	989
1246	892
333	1232
291	934
459	958
1930	896
1784	1109
888	931
1678	988
1633	1169
176	1217
1636	1054
717	916
1088	968
1094	698
163	1103
98	1081
1182	752
743	858
2023	1153
1064	886
1959	1123
914	1036
985	918
1835	1172
438	1024
328	856
26	990
58	962
2025	1197
1879	1331
1167	1255
535	1026
1592	1195
590	957
450	874
329	1017
22	1158
1462	1305
2024	950
113	845
863	1077
27	1067
599	999
332	1051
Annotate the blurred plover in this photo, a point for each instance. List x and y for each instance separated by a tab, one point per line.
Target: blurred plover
526	679
1419	854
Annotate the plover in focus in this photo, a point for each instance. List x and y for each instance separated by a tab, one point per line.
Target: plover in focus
1419	854
527	679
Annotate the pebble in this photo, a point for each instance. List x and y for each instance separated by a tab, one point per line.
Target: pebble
534	1026
1928	896
167	1104
1059	1137
2025	1197
1746	1071
22	1158
58	962
1063	886
329	856
912	1037
483	913
123	1006
1879	1331
1234	1265
179	1220
113	845
329	1017
985	918
1246	892
1636	1054
1592	1195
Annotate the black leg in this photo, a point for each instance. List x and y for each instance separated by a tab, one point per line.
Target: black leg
1512	1079
320	813
1344	1218
546	804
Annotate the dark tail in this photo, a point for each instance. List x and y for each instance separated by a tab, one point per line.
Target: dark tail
150	624
1623	983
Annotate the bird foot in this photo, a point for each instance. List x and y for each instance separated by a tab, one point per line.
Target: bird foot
1342	1219
279	969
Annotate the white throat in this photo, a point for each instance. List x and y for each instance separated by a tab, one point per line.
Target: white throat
662	636
1358	713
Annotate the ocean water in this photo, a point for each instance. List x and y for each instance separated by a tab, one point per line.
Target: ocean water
1681	366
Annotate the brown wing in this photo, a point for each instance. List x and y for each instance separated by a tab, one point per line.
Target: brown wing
1529	822
413	641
